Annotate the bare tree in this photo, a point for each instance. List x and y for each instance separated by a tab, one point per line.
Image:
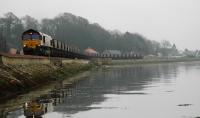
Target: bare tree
30	23
12	29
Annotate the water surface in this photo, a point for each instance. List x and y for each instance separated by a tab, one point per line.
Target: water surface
139	91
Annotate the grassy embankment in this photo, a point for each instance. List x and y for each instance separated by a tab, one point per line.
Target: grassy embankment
18	79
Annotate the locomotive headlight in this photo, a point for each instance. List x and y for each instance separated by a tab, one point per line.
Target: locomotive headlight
24	45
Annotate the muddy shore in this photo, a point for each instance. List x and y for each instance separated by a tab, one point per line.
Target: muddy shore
20	79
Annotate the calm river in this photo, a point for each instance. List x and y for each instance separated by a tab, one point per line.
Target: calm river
170	90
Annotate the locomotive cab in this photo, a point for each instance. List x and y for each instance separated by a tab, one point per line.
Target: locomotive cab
31	39
36	43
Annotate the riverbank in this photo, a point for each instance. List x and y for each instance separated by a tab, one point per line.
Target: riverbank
20	79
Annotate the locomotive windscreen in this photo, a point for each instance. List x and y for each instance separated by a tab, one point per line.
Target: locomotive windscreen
31	37
26	37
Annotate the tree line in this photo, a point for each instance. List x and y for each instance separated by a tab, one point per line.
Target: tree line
78	31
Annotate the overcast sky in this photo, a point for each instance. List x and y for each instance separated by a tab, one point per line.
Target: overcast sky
175	20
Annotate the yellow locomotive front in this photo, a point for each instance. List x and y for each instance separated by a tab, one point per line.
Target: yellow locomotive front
31	41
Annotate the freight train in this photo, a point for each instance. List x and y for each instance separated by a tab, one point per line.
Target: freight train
41	44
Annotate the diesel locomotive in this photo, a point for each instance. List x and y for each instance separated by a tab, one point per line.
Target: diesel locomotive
41	44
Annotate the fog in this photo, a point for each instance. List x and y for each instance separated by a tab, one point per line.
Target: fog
176	21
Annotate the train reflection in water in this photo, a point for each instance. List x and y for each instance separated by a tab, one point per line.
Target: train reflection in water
46	102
